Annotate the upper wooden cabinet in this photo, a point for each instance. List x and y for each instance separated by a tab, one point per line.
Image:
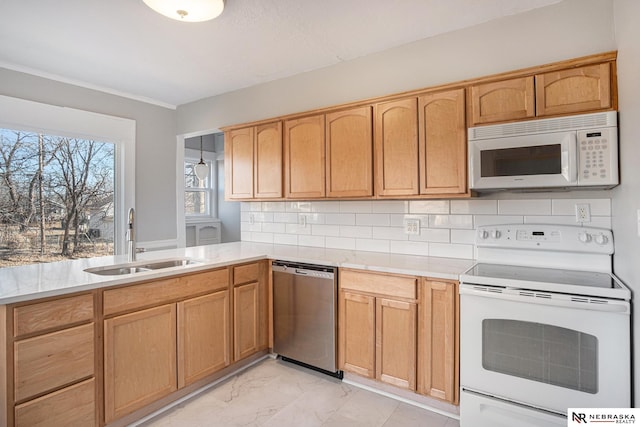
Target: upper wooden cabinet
396	144
349	143
574	90
443	143
502	101
253	162
304	157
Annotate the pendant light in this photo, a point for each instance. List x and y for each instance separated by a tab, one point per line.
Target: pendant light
201	169
187	10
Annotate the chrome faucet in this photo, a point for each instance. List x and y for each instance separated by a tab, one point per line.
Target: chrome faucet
131	236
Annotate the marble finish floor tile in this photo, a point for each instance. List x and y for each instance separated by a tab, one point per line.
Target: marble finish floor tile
279	394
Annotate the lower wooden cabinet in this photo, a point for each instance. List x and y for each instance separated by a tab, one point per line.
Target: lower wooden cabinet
357	333
396	342
139	358
250	316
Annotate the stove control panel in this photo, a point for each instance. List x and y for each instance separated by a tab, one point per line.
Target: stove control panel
550	237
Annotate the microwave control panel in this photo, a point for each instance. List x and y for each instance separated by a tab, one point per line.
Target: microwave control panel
598	156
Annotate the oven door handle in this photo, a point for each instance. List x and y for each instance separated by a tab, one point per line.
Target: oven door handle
545	298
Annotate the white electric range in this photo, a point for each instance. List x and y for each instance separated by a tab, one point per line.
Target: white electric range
544	326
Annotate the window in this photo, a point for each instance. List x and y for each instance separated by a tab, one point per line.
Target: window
71	134
198	193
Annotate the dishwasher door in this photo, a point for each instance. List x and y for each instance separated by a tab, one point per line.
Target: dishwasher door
304	314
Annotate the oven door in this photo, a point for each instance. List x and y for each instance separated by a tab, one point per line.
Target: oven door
547	351
529	161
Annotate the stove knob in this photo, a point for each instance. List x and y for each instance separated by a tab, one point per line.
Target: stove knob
601	239
584	237
483	234
495	234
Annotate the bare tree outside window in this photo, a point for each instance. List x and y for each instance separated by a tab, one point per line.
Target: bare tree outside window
56	197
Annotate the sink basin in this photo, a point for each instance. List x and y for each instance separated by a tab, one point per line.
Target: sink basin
140	267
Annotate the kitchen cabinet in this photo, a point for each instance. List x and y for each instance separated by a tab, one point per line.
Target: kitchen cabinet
304	157
442	143
51	350
503	100
574	90
253	162
396	147
250	315
163	335
438	339
349	144
377	326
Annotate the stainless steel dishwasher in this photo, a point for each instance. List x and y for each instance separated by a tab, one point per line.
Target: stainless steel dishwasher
304	315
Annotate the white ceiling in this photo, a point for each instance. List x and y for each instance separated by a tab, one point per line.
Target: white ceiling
123	47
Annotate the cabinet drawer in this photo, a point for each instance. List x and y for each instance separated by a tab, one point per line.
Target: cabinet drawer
50	361
162	291
73	406
392	285
246	273
43	316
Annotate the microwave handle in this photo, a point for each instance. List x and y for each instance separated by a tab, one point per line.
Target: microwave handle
572	159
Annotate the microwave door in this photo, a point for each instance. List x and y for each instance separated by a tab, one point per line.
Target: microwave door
530	161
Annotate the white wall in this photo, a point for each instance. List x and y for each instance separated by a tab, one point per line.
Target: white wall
155	144
626	197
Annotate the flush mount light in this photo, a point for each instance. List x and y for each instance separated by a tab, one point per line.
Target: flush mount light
187	10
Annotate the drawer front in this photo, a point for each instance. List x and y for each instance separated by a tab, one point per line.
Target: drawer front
73	406
50	361
54	314
162	291
246	273
391	285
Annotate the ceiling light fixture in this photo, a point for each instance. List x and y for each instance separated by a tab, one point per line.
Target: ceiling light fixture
187	10
201	169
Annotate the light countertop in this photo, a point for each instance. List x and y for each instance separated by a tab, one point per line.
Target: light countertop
52	279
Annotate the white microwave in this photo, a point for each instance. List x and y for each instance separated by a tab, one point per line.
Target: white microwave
564	152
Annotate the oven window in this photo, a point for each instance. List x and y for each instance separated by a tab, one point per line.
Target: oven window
539	352
534	160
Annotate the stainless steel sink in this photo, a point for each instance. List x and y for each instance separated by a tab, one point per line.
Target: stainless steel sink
140	267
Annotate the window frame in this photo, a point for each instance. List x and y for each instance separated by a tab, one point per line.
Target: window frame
209	158
20	114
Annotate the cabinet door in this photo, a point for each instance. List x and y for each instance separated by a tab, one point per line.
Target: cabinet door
443	143
349	153
139	359
502	101
203	336
268	161
396	148
438	344
245	320
238	163
304	157
396	323
356	330
575	90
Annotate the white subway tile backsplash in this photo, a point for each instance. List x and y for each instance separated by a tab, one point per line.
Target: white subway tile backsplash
524	207
409	248
447	227
355	206
390	206
598	207
356	231
390	233
325	230
451	221
381	220
474	207
340	218
429	206
340	243
371	245
285	239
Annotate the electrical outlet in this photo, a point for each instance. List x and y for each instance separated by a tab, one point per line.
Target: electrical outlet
412	226
303	221
583	212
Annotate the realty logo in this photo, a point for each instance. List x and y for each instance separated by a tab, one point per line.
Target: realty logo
579	417
582	416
